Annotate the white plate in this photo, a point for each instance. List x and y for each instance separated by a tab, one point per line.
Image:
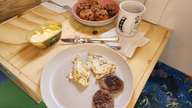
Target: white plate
58	92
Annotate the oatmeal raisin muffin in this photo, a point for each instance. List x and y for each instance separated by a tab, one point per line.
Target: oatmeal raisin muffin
87	14
101	15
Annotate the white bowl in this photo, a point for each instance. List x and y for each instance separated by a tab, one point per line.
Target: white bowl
92	23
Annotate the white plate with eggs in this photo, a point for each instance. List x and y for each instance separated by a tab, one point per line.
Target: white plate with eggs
59	92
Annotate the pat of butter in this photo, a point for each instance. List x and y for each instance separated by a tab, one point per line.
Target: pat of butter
46	35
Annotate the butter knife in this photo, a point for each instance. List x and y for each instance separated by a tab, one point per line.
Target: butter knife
78	40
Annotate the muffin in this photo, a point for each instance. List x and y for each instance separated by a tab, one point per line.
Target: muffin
87	14
101	15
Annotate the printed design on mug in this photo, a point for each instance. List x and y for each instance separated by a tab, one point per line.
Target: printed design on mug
137	19
121	22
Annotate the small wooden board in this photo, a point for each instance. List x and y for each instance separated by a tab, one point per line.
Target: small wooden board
24	63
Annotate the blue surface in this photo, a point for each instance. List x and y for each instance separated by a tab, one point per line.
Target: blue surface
166	88
2	77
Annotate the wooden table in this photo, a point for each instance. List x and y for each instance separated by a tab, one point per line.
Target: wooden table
24	63
10	8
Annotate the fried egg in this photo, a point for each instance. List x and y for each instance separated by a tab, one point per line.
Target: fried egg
80	73
100	66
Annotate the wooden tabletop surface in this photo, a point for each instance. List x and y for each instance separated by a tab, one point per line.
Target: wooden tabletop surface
10	8
24	62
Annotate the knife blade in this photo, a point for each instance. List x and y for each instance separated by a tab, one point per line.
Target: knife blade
89	40
78	40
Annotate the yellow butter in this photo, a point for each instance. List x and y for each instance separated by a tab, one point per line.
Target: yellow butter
46	35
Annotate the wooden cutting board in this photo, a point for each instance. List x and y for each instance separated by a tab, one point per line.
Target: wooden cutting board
23	63
26	60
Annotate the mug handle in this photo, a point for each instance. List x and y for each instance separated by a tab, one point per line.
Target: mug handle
121	23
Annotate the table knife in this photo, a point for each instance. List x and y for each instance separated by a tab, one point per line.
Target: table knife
78	40
89	40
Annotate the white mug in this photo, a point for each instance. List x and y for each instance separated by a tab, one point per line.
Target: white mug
129	17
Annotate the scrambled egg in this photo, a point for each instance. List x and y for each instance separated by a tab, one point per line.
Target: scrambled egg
100	65
80	73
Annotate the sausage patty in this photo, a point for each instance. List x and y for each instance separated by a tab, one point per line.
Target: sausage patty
111	83
103	99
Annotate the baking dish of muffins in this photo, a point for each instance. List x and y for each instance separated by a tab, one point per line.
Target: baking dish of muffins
95	12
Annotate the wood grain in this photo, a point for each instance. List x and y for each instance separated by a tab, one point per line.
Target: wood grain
23	23
10	8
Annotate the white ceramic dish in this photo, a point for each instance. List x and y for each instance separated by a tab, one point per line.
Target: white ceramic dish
92	23
58	92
